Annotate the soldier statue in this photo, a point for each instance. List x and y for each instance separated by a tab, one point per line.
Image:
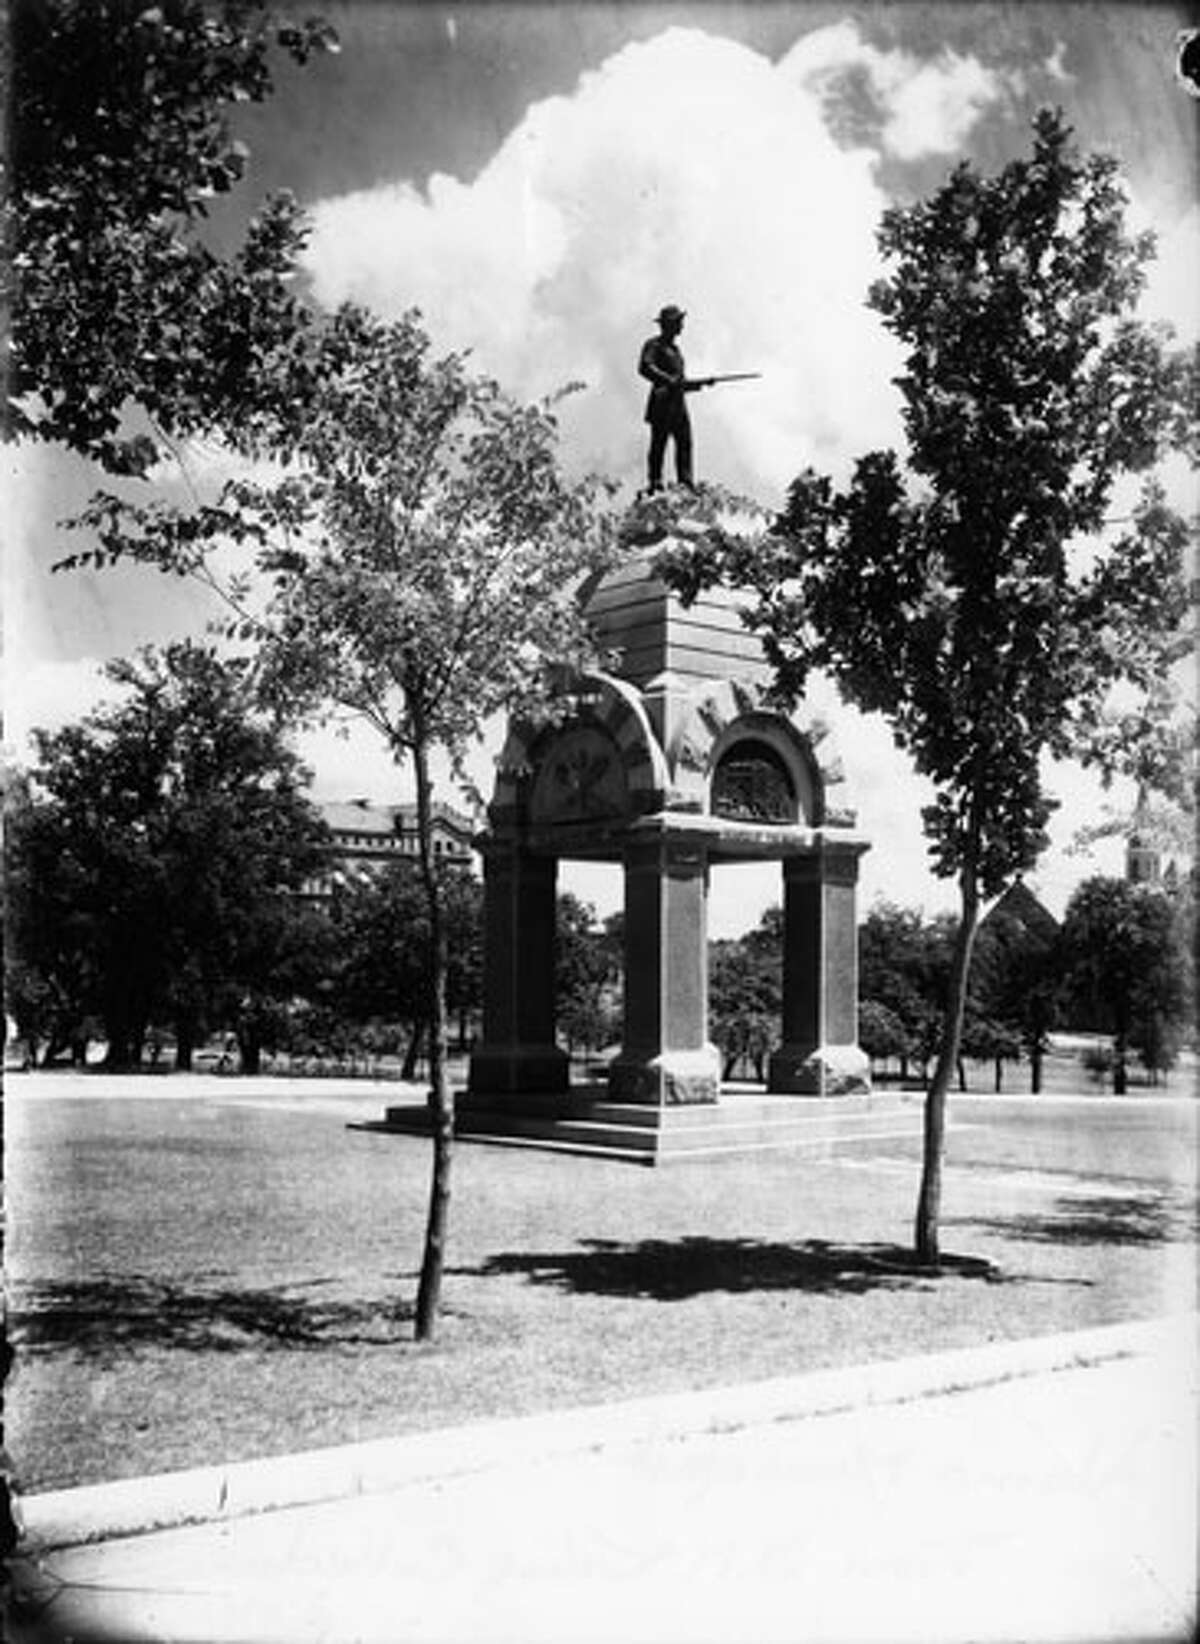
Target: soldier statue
661	363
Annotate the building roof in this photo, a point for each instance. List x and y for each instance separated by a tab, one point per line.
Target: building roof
363	817
1022	907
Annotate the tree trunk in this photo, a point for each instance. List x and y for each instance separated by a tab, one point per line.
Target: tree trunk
250	1052
1035	1070
441	1099
999	1074
929	1202
185	1044
962	1074
1120	1072
413	1054
125	1041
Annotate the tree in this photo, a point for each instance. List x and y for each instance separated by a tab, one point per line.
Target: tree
423	580
381	923
959	605
903	965
985	1039
128	329
746	994
1016	974
882	1034
420	553
1127	968
584	975
156	865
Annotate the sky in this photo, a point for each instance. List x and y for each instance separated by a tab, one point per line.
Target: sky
538	179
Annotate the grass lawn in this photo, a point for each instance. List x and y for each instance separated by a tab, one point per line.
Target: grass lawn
215	1278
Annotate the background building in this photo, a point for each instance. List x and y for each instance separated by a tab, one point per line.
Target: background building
366	835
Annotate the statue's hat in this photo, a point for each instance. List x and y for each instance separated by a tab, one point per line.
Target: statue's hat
671	312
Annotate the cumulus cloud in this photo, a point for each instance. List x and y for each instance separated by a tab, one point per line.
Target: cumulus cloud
922	107
688	169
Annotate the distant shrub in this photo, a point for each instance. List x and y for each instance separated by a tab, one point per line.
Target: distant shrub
1097	1062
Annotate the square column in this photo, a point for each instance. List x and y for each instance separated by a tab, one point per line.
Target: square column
819	1055
518	1054
666	1058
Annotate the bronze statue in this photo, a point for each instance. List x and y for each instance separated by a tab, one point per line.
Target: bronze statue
661	363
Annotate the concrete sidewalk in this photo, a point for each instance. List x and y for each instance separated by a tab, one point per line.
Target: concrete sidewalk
1032	1491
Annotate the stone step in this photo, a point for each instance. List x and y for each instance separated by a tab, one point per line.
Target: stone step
646	1135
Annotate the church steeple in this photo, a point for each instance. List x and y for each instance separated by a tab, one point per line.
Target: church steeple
1143	859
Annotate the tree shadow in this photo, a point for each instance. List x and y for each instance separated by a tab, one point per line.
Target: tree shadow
675	1270
101	1318
1095	1221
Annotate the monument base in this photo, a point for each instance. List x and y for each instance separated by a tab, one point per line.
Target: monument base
587	1123
497	1071
819	1070
670	1078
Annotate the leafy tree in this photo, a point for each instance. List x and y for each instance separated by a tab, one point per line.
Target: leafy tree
958	604
128	328
155	866
1016	976
381	921
46	991
881	1033
985	1039
746	994
1128	968
420	549
585	974
903	967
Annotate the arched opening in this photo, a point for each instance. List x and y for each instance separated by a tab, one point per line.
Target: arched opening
752	783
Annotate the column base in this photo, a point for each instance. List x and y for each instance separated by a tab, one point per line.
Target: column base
497	1071
668	1078
819	1070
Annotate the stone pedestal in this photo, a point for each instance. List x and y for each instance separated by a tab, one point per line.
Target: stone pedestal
819	1055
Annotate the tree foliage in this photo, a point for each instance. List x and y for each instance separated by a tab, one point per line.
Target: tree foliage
420	549
746	995
587	971
381	925
424	548
903	963
153	871
1016	981
127	325
957	600
1128	969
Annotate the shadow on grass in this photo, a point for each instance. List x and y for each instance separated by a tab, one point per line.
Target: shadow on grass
674	1270
1098	1221
101	1317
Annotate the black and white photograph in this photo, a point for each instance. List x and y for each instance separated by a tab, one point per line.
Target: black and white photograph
600	767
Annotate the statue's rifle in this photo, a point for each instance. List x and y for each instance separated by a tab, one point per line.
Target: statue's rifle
731	376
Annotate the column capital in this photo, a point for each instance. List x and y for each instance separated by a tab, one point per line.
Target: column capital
665	855
829	862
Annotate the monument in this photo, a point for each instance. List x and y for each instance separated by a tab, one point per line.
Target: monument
671	764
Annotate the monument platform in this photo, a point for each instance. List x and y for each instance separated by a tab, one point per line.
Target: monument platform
740	1121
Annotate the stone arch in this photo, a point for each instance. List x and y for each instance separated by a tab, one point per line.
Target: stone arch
780	740
600	702
720	715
